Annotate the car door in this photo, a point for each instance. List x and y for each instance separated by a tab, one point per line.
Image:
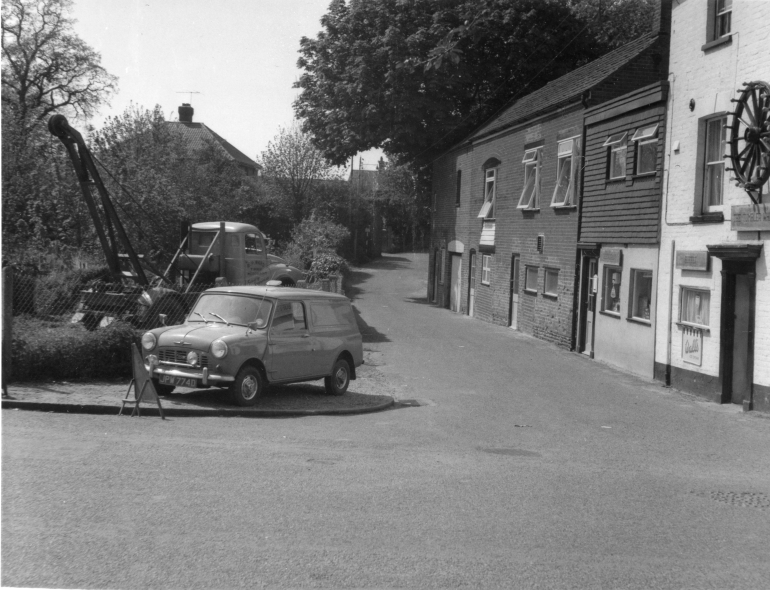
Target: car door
289	342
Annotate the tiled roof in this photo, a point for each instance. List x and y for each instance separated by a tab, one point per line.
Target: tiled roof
196	134
569	86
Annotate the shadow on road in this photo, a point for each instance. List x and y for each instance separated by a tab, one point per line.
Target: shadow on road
353	289
420	300
391	263
369	334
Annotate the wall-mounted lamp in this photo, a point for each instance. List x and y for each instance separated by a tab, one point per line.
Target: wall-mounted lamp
692	104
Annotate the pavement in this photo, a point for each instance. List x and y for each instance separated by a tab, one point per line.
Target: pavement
368	393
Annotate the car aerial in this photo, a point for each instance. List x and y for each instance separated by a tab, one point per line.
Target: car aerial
246	338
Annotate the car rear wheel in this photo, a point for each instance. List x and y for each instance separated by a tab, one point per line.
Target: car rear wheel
247	387
337	383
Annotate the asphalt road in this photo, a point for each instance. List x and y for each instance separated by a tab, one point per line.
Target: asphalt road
523	466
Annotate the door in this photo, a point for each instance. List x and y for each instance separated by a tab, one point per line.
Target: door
588	288
513	311
456	282
436	271
472	283
738	338
291	347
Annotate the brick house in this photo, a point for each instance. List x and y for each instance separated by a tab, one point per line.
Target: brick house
619	233
505	200
713	320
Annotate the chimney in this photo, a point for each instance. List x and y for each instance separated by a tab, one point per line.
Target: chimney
661	18
186	113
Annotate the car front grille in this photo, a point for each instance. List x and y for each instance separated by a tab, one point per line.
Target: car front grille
178	356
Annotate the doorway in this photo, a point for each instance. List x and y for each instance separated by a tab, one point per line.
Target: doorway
738	308
472	283
513	306
589	282
436	271
455	282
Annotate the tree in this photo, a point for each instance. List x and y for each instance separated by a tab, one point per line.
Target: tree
405	197
294	168
45	66
415	76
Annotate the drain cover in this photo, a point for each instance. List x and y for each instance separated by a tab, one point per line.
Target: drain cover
743	499
510	452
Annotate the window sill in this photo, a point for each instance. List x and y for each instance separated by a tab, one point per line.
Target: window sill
644	175
529	209
530	292
716	217
553	296
618	179
640	321
564	207
693	326
725	40
610	314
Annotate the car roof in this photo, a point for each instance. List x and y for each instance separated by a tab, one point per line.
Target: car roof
277	292
230	227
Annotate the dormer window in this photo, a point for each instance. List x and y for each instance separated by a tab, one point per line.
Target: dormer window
616	146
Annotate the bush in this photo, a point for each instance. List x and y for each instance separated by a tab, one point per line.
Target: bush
58	292
326	264
44	349
315	234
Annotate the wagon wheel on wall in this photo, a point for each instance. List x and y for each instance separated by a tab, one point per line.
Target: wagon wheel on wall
750	137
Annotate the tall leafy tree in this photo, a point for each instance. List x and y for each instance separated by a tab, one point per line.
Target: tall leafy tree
295	168
413	76
45	65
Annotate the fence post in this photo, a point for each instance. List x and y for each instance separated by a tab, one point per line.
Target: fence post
7	325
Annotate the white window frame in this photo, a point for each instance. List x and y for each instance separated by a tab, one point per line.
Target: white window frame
723	18
645	136
551	271
710	166
636	273
568	151
698	291
527	286
486	268
490	191
616	145
607	273
532	159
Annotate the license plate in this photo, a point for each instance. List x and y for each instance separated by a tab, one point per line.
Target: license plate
177	381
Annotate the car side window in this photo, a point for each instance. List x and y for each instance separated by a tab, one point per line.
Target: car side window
323	314
289	317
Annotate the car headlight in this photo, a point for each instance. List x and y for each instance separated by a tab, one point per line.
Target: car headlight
149	341
219	349
192	358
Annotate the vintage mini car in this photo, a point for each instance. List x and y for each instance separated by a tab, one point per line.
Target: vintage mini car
245	338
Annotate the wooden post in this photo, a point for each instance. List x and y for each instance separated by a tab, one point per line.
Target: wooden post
7	325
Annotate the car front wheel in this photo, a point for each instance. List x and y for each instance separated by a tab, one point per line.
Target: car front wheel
337	383
247	387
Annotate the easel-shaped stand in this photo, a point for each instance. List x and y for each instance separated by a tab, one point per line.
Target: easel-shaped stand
144	390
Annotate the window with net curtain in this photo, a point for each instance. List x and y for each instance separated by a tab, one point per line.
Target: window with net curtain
714	173
616	153
694	307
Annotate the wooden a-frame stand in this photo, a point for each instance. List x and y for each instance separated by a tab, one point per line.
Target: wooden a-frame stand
144	390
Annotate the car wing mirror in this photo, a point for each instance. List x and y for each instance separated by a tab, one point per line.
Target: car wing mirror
162	317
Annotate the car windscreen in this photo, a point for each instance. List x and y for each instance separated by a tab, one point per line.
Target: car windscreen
233	309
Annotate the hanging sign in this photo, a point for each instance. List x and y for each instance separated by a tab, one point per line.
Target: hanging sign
750	217
692	345
613	256
692	259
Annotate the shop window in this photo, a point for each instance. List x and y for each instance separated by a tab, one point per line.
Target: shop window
616	155
646	139
714	162
551	282
458	183
486	268
566	173
694	307
641	294
611	298
530	196
530	279
490	182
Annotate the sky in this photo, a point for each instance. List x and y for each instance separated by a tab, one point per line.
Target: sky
235	61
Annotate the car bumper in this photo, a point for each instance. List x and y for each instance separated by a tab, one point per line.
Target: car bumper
203	376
